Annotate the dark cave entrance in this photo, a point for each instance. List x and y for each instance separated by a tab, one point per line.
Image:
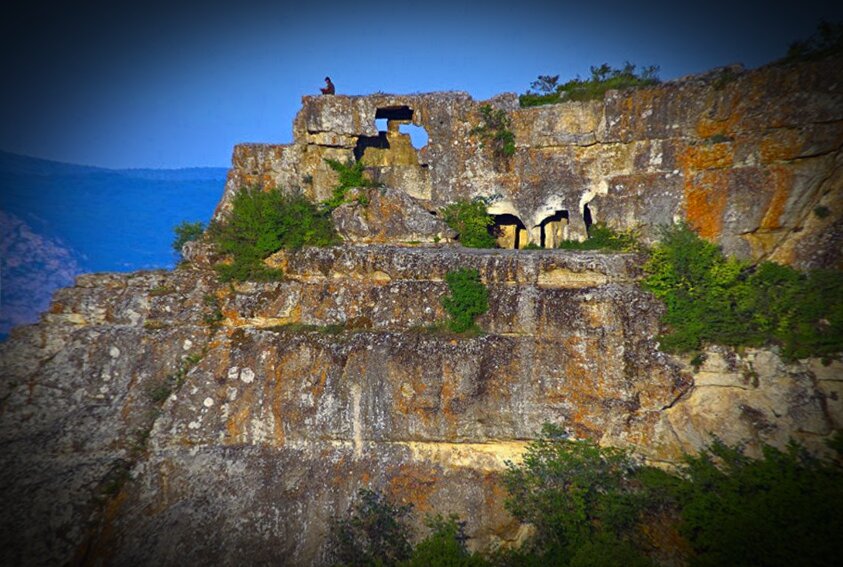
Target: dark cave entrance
509	231
587	218
553	229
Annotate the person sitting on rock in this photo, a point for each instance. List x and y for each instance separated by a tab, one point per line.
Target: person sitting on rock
329	86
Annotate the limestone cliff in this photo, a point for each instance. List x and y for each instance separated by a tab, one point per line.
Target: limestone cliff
744	157
163	417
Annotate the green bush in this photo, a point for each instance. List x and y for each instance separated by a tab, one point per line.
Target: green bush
601	237
783	509
603	78
495	131
186	232
582	499
351	175
444	547
262	222
373	533
468	300
714	299
472	223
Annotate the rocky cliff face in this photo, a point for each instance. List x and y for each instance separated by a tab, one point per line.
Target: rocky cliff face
743	157
163	417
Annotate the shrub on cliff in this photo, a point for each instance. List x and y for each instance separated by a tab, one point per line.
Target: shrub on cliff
472	223
468	300
350	175
584	501
186	232
589	503
783	509
445	546
714	299
374	532
601	237
494	131
262	222
603	78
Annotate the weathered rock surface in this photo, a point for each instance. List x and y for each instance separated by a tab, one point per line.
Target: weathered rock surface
165	418
162	417
745	162
384	215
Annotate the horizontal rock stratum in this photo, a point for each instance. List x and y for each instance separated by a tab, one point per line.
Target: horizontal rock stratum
166	418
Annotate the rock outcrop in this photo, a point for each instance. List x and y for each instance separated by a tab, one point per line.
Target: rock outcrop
164	417
745	158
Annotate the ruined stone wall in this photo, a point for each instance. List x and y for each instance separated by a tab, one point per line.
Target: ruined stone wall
745	160
270	429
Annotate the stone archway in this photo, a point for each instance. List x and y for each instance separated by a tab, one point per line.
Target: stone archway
509	231
554	229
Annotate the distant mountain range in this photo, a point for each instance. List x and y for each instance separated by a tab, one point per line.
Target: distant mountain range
62	219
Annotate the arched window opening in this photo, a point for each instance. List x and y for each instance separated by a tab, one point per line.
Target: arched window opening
509	231
554	229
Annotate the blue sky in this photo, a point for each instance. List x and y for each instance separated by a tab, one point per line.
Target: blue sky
174	85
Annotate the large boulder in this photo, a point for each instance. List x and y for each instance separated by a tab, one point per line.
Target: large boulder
381	215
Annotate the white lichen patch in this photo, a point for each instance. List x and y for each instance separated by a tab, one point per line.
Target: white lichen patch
247	375
233	372
187	344
114	352
208	402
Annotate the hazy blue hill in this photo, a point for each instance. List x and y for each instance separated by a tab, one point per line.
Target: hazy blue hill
110	220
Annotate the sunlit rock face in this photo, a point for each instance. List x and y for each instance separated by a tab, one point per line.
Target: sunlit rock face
744	160
164	417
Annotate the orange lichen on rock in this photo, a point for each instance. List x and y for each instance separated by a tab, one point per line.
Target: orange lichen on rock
414	484
706	195
780	144
782	178
707	156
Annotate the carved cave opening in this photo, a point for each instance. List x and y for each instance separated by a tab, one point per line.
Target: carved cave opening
398	140
390	113
587	219
554	229
509	231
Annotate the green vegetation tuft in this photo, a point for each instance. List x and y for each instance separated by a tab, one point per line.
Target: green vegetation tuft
603	78
262	222
374	532
468	300
601	237
494	131
783	509
186	232
595	506
445	546
714	299
351	175
472	223
583	500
